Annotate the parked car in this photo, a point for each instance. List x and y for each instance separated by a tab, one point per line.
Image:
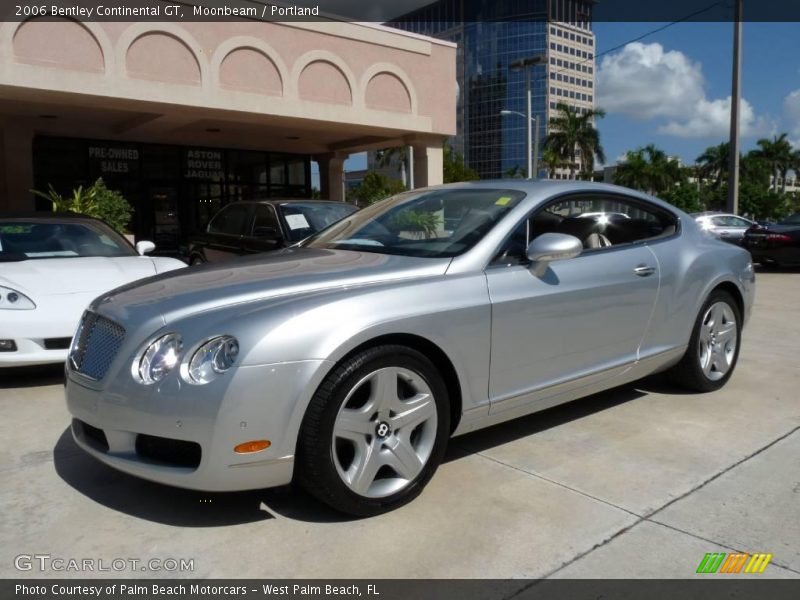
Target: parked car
51	266
728	227
777	244
260	226
347	362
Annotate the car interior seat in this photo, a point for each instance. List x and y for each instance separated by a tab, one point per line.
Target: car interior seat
586	229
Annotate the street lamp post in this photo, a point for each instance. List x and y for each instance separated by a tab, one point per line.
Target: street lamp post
525	65
732	204
533	154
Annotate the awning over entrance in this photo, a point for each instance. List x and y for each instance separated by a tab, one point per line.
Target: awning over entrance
324	89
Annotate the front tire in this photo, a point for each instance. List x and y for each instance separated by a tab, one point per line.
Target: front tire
375	431
714	346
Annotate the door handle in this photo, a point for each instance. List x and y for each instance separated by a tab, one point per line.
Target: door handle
644	270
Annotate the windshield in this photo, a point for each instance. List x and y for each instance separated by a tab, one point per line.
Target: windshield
305	219
21	240
433	223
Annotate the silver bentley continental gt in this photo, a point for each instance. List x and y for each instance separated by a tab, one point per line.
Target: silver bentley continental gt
346	362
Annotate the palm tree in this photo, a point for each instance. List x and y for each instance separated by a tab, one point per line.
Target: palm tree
649	169
553	161
776	152
713	163
572	132
399	153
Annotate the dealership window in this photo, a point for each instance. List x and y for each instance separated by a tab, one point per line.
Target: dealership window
174	190
250	167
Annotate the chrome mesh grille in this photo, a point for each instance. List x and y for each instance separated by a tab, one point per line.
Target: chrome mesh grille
96	345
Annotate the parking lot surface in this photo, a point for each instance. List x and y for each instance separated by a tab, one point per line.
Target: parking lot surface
640	481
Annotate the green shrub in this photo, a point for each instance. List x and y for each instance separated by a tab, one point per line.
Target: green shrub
95	201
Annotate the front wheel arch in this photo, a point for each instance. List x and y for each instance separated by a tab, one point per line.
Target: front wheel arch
317	467
434	353
734	291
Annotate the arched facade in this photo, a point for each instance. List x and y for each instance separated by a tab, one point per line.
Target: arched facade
217	95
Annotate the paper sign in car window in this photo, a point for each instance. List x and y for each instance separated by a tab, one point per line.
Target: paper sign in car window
503	200
297	221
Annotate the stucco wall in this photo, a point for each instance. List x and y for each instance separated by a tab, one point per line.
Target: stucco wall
330	71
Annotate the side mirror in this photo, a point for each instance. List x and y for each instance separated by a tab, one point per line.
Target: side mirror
265	233
550	247
145	247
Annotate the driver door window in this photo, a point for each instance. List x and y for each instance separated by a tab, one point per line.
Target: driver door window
230	220
599	222
265	233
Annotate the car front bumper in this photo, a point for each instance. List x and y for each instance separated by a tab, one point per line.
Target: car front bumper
264	402
42	335
32	351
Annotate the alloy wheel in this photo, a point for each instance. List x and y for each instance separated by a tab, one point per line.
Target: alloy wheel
384	432
717	341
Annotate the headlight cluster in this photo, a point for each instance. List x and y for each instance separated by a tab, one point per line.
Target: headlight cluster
206	363
212	359
14	300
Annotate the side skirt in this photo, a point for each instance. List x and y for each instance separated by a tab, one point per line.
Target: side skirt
542	399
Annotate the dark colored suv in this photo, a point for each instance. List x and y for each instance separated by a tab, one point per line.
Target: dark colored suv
263	225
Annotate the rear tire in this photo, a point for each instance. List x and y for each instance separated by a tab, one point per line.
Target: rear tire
375	431
713	349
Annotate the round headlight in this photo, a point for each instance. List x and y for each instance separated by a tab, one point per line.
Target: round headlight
160	358
213	358
12	299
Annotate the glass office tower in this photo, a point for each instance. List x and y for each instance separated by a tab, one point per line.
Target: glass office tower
490	36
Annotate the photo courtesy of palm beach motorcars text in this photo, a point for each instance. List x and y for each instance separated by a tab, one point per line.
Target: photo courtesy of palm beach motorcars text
108	590
399	299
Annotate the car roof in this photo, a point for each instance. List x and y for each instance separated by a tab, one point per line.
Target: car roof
43	216
713	213
541	190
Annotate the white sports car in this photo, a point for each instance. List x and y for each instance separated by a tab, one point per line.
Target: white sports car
51	267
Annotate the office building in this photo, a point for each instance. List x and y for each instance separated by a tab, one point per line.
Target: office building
490	36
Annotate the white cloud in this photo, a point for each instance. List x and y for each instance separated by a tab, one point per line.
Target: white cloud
712	119
791	110
645	82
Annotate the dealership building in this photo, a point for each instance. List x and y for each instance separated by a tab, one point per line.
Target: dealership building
183	118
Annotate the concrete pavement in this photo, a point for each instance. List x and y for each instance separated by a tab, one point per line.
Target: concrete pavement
640	481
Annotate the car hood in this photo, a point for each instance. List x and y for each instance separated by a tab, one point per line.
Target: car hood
79	275
288	272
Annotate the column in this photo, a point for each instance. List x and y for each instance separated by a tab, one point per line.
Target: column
428	163
16	168
331	175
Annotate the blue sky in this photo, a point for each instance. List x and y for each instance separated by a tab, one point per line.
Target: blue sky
671	88
700	75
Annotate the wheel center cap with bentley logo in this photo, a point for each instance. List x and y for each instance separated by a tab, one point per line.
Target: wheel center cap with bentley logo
382	429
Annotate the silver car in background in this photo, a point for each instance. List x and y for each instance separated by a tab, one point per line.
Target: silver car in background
346	363
726	226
